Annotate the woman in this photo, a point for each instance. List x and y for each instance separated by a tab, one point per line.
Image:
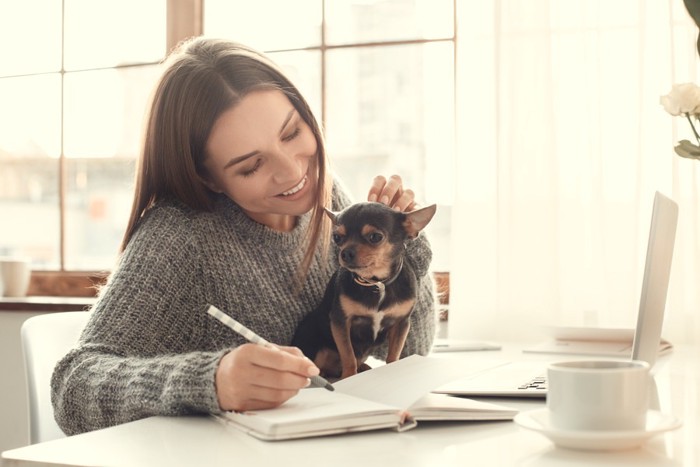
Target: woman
228	210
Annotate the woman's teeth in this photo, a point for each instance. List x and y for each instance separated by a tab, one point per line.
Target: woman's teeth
296	188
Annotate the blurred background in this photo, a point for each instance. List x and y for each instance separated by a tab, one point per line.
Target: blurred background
76	76
535	125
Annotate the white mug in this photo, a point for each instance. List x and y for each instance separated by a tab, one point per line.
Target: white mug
598	395
15	274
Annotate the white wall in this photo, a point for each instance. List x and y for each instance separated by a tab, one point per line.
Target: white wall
14	412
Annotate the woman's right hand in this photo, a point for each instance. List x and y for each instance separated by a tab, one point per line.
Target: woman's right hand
252	377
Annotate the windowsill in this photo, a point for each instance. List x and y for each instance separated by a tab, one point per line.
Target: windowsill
66	284
61	291
45	303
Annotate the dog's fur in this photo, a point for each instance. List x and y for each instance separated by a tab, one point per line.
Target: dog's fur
369	299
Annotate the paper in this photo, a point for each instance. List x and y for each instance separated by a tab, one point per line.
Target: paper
374	399
403	382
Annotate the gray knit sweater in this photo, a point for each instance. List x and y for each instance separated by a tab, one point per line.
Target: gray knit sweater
149	347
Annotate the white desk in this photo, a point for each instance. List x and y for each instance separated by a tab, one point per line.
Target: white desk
204	441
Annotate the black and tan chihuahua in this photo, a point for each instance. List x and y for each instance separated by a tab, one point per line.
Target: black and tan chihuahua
369	299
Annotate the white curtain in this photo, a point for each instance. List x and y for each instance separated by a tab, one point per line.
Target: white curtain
562	143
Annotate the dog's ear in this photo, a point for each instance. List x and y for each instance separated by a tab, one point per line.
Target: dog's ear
332	215
418	219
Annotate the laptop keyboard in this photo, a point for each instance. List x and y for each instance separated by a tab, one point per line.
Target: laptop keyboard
538	382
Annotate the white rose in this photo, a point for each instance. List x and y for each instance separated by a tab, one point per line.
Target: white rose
683	98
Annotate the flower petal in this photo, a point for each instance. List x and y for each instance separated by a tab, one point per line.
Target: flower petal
683	98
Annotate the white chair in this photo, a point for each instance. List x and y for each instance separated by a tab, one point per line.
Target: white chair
45	340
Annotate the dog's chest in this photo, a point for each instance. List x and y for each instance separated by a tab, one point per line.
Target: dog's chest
361	312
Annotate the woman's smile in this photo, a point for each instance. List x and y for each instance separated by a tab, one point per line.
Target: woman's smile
300	186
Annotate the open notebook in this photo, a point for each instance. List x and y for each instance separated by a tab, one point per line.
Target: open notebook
395	396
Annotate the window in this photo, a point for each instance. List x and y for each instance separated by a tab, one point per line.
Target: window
73	90
379	74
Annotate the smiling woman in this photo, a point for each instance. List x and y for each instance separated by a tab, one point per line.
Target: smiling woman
250	237
276	181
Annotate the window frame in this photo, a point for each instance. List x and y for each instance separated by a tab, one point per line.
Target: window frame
184	19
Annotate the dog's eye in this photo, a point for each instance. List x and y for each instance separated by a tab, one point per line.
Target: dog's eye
375	237
337	238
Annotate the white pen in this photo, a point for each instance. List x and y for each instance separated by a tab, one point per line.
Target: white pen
255	339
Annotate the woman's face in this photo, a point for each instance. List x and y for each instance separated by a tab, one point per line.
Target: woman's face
263	155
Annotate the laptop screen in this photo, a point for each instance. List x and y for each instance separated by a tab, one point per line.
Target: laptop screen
657	272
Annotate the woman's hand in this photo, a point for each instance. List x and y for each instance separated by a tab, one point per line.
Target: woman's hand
392	193
255	377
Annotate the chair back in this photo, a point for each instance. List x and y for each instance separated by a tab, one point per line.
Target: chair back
45	340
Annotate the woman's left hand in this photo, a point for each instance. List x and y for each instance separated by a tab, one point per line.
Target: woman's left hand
392	193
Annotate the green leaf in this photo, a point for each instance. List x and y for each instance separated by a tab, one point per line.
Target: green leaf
688	150
689	147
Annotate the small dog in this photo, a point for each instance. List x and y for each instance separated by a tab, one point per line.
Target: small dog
369	299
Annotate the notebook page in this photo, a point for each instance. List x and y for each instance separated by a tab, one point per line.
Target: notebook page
403	382
315	409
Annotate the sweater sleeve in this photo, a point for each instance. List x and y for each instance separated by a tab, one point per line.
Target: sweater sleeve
94	387
424	316
143	351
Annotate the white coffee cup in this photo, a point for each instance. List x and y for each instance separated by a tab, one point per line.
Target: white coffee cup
598	395
15	274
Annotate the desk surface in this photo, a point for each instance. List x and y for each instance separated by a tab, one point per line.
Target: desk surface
206	441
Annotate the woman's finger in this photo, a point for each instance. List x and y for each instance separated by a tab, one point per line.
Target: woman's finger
376	189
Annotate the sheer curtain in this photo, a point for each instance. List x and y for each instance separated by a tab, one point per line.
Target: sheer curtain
561	146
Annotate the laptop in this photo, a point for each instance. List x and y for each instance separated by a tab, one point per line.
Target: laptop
528	378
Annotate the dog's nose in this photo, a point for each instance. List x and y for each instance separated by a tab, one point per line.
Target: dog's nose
348	255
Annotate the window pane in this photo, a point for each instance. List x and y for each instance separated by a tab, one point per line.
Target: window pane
351	21
110	33
391	110
30	138
104	111
99	194
304	69
30	34
30	116
29	209
265	24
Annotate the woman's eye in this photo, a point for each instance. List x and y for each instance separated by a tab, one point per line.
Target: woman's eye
292	135
375	237
252	170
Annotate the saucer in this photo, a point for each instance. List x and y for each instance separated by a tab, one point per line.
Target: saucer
538	420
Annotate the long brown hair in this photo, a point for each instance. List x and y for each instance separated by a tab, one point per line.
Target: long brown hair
203	77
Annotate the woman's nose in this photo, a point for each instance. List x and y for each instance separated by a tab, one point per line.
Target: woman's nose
287	165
